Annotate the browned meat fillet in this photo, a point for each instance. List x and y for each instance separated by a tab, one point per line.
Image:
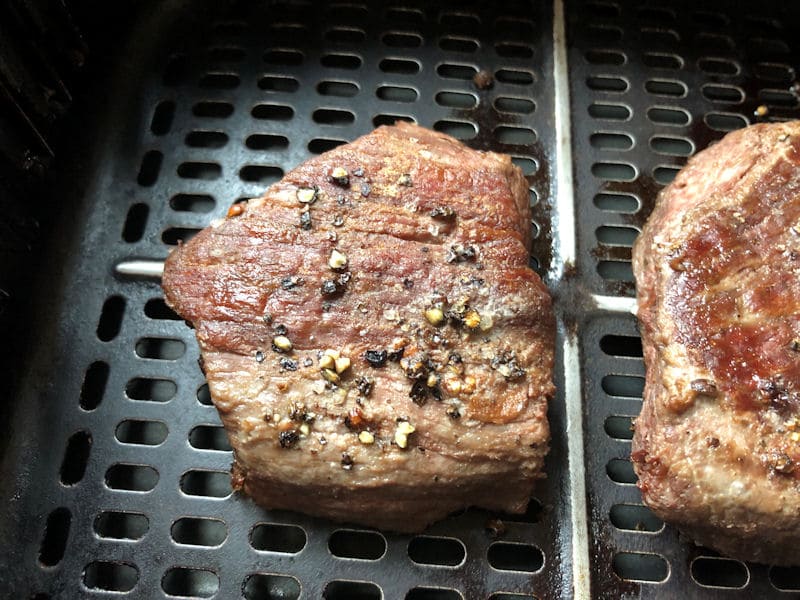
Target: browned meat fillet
717	445
377	347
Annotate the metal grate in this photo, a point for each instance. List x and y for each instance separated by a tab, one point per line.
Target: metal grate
129	491
117	461
652	85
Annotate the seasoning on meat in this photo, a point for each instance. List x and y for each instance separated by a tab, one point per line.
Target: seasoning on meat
370	401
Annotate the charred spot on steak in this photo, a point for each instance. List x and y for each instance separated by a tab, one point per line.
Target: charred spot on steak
419	392
259	356
347	461
461	253
396	355
364	385
287	364
288	438
376	358
443	212
292	281
305	220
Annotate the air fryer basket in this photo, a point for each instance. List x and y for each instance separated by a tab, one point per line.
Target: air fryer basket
117	466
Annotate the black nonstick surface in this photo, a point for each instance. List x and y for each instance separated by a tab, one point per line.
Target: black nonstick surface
116	473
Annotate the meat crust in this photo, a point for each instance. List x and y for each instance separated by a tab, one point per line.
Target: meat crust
406	253
717	267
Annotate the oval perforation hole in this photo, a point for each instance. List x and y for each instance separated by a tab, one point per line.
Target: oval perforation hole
607	83
668	116
621	345
226	53
712	20
725	121
636	566
283	57
520	106
156	308
767	47
111	318
175	71
110	576
514	76
454	71
512	50
429	593
209	437
610	112
778	98
219	81
94	385
263	174
402	39
529	167
330	116
118	525
507	556
723	93
616	235
206	171
405	16
213	110
153	390
521	136
605	57
384	119
394	93
623	386
342	89
671	146
320	145
135	222
351	543
211	484
620	470
273	112
785	578
662	60
777	72
351	590
663	37
345	35
132	478
185	581
341	61
276	537
141	432
456	100
614	171
271	587
460	20
206	139
716	572
160	348
666	87
461	130
718	66
657	14
619	428
603	34
150	168
76	457
278	83
441	551
204	396
714	42
611	141
54	540
634	517
199	531
604	10
267	142
175	235
458	44
615	270
162	117
664	174
623	203
401	66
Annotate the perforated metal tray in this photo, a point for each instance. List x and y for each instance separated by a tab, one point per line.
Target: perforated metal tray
116	475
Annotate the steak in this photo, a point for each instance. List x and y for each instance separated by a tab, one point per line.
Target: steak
717	444
377	347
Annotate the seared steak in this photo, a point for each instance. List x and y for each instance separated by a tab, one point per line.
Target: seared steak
717	445
377	347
